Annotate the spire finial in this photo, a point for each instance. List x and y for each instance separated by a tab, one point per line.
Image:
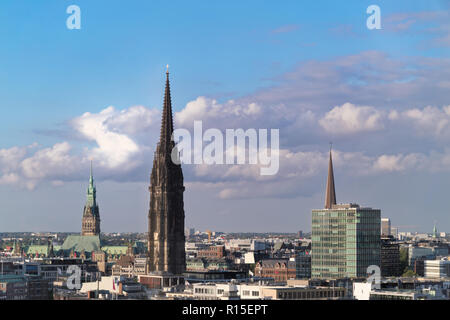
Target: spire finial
167	69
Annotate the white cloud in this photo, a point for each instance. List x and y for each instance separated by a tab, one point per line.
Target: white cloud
398	162
349	118
133	120
209	110
114	149
47	162
428	121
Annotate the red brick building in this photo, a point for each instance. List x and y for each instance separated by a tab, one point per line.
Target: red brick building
279	269
213	252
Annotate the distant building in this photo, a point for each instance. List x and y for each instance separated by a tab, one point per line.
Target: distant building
213	291
385	226
254	291
23	287
345	238
419	266
280	270
130	266
114	287
365	291
429	251
192	276
390	257
213	252
89	241
437	268
74	245
394	232
302	266
245	245
160	281
90	225
204	264
435	232
189	232
303	293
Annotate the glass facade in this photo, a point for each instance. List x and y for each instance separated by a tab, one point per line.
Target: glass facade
345	241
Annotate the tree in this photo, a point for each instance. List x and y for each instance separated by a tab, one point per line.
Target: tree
403	259
409	273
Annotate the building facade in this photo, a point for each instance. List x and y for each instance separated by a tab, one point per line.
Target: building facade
385	227
437	268
390	257
213	252
345	237
166	240
281	270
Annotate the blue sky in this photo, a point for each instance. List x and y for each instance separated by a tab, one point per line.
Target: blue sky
228	50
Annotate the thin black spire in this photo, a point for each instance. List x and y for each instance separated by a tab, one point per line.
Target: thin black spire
330	197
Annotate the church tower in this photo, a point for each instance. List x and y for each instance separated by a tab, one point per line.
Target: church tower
90	224
166	215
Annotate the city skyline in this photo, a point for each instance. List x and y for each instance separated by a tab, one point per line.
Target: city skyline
72	96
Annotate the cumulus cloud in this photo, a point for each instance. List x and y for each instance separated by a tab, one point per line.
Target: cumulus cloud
371	92
116	152
398	162
48	161
349	118
113	148
133	120
210	111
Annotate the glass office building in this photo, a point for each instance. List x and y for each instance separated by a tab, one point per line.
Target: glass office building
345	241
345	238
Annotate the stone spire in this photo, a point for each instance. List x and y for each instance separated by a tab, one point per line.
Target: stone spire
330	197
165	140
166	215
90	225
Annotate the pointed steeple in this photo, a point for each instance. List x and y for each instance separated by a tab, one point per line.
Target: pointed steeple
167	119
330	197
91	192
91	177
435	233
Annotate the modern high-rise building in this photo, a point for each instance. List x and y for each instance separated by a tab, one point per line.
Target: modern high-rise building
345	237
90	223
166	238
385	227
390	257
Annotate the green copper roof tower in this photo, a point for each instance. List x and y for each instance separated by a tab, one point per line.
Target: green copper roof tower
90	225
435	233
